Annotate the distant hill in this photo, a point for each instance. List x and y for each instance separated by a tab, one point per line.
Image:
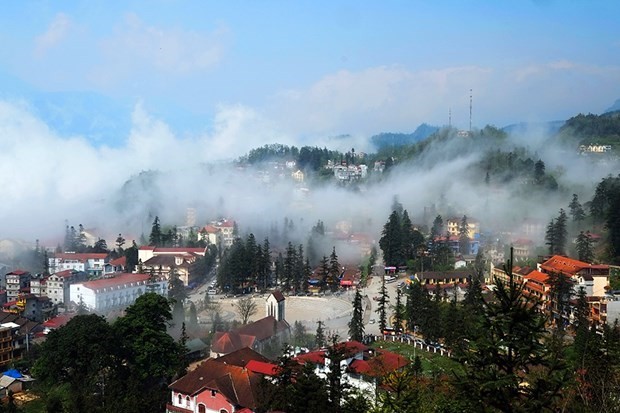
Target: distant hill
397	139
592	129
550	128
614	108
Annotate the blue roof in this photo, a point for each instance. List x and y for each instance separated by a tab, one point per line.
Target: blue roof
13	373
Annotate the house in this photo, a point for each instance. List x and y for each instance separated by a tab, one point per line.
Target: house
30	306
211	234
16	335
115	266
593	278
298	176
271	329
363	367
160	261
13	381
91	263
16	282
227	228
454	224
523	248
223	385
57	285
108	294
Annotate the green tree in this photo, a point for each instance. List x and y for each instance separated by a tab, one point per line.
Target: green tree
356	325
509	365
576	210
150	357
80	355
391	241
156	237
399	311
383	302
585	250
464	236
319	337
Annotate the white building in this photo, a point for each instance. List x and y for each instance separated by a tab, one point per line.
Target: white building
91	263
114	293
57	285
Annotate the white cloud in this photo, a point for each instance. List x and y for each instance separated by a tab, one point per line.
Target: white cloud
55	34
394	98
136	47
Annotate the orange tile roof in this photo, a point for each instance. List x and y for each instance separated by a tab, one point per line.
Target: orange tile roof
538	277
564	265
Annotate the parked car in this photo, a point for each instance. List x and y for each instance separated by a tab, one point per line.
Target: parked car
212	291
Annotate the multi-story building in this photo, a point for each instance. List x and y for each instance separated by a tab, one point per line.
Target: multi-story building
454	224
108	294
57	285
91	263
160	261
16	282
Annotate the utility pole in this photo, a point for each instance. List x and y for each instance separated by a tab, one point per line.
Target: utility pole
470	107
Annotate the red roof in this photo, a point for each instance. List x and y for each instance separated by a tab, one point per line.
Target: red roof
210	229
18	272
113	282
267	369
80	256
226	224
314	357
58	321
66	273
122	261
277	294
565	265
538	277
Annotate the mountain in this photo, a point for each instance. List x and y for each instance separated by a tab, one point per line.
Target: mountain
395	139
614	108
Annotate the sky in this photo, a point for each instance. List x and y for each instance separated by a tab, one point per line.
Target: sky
92	92
305	70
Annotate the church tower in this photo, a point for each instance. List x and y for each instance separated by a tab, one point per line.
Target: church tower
275	306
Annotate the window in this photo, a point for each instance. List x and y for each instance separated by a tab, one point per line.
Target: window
202	408
187	401
179	400
223	411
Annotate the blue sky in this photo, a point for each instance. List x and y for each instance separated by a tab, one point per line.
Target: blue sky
304	70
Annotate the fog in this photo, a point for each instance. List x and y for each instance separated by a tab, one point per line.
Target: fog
47	180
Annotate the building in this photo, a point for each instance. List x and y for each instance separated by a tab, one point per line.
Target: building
224	385
57	285
108	294
211	235
91	263
160	261
298	176
273	329
16	335
454	224
362	366
16	283
593	278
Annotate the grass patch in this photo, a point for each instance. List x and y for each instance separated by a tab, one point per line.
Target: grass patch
432	363
33	406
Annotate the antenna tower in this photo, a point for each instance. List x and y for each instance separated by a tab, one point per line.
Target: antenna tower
470	104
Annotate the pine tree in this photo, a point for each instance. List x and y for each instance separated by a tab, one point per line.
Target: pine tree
155	239
391	241
551	238
464	236
319	337
585	251
416	302
508	367
576	210
561	232
384	299
334	270
356	325
399	311
324	271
